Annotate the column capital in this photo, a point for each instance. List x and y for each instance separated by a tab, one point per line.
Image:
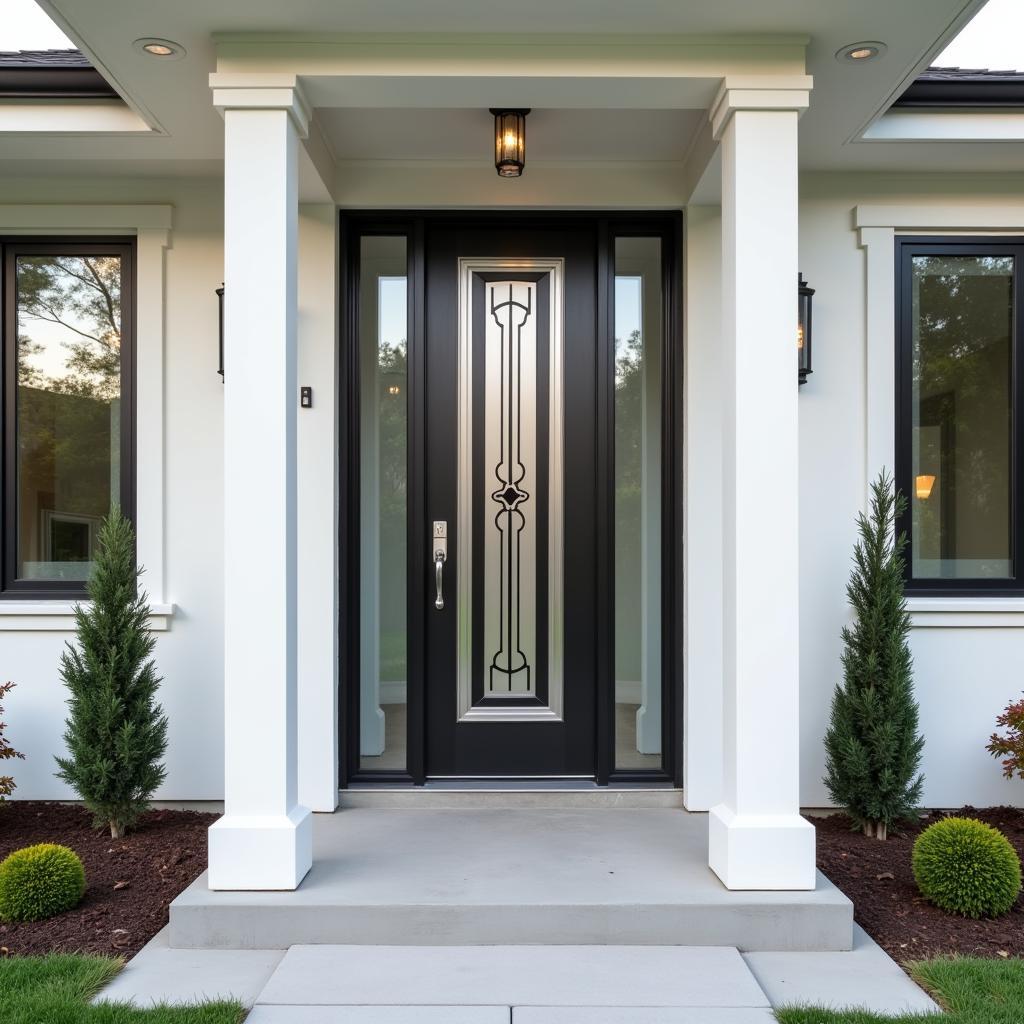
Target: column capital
265	91
758	92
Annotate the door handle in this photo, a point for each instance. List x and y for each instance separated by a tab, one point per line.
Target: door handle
439	533
439	560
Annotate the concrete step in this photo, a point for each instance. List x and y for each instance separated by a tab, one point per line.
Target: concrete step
512	876
513	976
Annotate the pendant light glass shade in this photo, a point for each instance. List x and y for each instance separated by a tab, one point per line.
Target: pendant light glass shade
509	141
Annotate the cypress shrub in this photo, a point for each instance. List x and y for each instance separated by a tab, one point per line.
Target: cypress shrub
873	748
116	733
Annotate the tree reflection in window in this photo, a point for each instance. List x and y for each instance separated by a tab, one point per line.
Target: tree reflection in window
68	409
962	418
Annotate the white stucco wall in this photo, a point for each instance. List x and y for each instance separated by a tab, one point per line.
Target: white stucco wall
190	653
964	674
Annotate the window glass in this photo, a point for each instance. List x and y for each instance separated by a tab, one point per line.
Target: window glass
383	384
961	416
68	410
638	341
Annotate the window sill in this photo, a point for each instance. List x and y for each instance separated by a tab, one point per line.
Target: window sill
966	612
59	616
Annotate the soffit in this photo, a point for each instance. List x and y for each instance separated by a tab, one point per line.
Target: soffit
175	96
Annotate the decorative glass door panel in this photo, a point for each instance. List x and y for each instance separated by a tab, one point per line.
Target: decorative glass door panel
510	458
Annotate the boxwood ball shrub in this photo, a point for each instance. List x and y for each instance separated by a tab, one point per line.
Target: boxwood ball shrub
966	867
40	881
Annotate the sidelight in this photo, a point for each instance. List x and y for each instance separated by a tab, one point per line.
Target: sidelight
638	552
383	431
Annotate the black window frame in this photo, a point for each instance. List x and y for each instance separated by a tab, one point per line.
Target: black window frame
11	247
907	247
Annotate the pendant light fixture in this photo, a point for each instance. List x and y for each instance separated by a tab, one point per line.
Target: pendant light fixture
509	141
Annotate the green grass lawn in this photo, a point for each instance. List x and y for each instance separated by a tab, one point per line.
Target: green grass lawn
972	991
56	989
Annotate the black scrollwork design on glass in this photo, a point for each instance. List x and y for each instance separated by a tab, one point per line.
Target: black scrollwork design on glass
509	668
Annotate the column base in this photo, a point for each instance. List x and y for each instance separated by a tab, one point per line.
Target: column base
264	851
761	851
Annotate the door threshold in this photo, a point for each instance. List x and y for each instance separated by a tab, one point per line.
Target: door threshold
562	782
466	795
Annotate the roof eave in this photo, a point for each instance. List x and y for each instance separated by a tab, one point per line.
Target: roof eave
971	94
54	83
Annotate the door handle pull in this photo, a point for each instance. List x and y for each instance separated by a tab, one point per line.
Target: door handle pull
439	560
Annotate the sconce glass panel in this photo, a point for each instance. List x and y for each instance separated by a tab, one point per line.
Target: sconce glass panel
803	329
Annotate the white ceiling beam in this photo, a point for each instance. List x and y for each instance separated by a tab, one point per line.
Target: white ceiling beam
473	71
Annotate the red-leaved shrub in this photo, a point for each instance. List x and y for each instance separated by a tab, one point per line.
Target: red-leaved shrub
1010	747
6	750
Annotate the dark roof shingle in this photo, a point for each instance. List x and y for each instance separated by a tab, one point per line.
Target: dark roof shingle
936	74
965	88
43	59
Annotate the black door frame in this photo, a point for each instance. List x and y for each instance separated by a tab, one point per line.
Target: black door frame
668	226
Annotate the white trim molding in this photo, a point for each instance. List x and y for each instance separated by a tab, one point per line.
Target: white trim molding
59	616
94	218
966	612
926	217
151	226
758	92
263	92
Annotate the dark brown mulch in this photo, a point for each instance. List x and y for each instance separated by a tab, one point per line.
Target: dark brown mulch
886	904
129	882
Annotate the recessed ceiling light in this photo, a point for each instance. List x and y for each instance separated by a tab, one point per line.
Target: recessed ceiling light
858	53
162	49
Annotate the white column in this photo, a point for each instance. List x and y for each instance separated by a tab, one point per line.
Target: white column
264	840
757	838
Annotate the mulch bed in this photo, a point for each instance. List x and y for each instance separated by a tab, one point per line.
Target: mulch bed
129	882
886	904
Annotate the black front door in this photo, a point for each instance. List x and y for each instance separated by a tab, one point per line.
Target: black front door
510	448
510	497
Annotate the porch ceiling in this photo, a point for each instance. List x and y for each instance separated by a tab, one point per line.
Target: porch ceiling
174	97
465	134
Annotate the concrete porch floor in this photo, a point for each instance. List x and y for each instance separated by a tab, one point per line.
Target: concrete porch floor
518	872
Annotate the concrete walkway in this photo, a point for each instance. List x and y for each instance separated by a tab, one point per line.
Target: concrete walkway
330	984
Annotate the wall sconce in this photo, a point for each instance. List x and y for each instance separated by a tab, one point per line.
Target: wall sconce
803	328
509	141
220	332
923	486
